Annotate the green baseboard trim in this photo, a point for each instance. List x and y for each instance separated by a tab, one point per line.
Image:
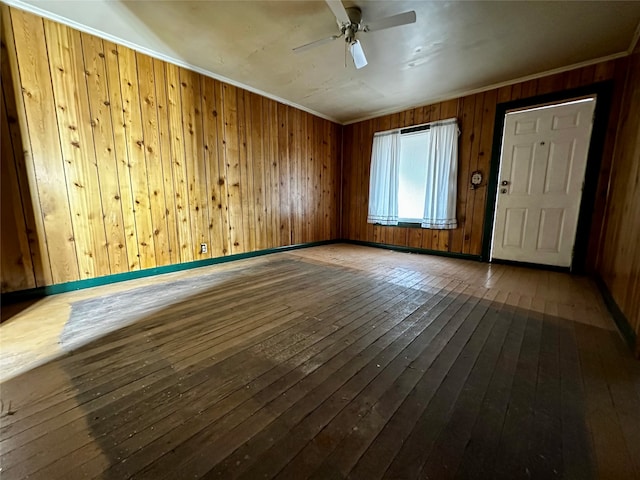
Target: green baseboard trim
423	251
618	315
39	292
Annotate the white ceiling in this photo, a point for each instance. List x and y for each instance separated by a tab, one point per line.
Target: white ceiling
454	47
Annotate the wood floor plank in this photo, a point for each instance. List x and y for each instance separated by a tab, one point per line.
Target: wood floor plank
305	360
353	394
119	393
329	362
443	459
480	453
258	351
612	453
389	440
211	332
512	451
578	458
344	436
243	427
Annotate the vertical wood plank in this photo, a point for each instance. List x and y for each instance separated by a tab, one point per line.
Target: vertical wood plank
310	186
223	181
137	166
16	269
122	154
367	136
284	164
464	174
155	173
550	83
267	169
192	134
484	159
48	170
335	181
270	110
23	154
164	140
100	109
257	166
75	126
232	157
184	250
347	181
326	210
215	179
295	131
475	132
244	172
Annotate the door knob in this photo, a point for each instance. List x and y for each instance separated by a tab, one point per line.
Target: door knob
503	190
505	183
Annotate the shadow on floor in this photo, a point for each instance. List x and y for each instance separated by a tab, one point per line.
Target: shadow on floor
304	370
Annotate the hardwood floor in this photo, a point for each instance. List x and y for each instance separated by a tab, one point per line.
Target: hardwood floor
325	363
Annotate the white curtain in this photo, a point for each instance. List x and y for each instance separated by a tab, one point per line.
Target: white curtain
442	175
383	181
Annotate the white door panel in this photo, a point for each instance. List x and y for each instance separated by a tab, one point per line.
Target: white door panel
544	157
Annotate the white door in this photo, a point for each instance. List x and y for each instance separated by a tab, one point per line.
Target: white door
542	167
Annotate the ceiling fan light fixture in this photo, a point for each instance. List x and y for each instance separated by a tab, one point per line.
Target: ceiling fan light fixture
350	23
358	54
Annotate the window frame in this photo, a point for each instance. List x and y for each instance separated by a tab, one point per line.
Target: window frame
418	223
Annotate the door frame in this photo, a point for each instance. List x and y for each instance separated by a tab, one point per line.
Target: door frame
604	93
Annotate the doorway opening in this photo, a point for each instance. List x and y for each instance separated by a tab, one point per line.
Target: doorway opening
541	178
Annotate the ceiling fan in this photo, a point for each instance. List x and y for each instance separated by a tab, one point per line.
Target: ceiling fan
350	22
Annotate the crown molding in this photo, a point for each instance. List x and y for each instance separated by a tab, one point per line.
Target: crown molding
464	93
19	4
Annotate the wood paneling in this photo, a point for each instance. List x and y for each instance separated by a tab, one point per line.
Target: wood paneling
43	156
117	161
619	260
476	117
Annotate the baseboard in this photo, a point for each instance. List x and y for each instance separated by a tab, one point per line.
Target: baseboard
424	251
39	292
619	317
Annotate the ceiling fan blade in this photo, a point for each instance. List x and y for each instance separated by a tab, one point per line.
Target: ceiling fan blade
392	21
317	43
339	11
358	54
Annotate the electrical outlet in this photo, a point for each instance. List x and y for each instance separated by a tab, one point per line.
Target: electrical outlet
203	248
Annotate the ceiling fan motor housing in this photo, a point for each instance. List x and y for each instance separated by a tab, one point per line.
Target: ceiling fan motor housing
355	15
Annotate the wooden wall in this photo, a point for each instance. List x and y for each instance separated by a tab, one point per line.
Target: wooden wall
619	259
118	161
476	116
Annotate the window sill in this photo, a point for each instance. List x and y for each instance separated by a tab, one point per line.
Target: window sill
403	225
410	225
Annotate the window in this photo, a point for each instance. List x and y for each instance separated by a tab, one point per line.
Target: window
414	176
412	181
